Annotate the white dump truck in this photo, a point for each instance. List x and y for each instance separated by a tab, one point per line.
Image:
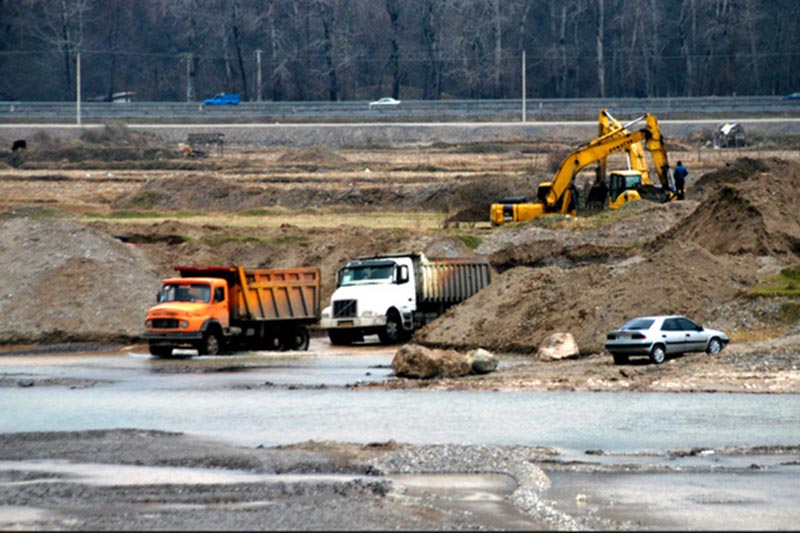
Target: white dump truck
393	295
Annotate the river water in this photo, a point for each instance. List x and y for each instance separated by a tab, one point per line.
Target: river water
270	399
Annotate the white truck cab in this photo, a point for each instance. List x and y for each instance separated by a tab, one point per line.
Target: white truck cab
392	295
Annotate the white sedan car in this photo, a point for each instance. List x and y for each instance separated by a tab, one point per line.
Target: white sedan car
659	336
384	102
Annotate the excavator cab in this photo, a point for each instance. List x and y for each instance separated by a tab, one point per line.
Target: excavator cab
624	186
627	185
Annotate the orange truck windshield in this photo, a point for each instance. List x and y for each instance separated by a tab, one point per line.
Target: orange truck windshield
185	292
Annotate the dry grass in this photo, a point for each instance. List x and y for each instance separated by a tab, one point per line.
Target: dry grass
276	217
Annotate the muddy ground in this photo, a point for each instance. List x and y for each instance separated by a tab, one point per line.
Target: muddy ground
89	228
136	480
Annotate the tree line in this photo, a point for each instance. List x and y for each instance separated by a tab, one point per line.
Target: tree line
187	50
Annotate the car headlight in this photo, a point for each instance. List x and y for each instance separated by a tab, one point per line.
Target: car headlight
368	314
184	324
148	323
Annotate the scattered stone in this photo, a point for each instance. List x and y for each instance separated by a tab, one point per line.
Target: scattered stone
418	362
482	361
558	346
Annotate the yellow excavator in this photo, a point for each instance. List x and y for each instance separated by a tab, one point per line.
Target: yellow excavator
633	183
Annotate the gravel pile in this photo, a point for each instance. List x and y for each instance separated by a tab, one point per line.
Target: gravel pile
64	282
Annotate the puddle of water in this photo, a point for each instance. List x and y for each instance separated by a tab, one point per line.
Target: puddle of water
483	495
108	474
733	500
18	515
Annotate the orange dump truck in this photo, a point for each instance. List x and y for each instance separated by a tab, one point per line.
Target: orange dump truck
212	309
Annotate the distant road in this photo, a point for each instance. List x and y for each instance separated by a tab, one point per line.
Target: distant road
508	110
393	134
354	124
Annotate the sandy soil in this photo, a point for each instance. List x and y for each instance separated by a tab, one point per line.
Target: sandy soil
585	275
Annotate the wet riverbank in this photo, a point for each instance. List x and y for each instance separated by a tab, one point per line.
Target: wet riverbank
142	480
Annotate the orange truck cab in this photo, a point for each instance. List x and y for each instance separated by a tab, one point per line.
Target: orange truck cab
211	309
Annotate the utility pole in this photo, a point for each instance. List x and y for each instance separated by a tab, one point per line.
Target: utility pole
258	75
523	86
78	87
189	77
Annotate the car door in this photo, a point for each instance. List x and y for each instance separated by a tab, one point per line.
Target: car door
694	335
673	336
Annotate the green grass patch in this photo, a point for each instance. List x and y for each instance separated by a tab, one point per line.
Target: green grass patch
786	283
471	241
288	240
34	212
126	215
216	241
262	212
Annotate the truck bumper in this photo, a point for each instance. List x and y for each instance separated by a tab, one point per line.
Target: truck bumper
172	336
355	323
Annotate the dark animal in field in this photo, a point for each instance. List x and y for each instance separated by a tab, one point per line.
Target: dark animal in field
20	144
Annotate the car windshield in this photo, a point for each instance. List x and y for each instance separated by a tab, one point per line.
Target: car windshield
638	323
369	273
185	292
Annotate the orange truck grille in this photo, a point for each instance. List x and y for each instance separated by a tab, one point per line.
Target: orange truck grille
165	323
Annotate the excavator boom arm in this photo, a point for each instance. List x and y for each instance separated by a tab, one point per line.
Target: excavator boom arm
618	139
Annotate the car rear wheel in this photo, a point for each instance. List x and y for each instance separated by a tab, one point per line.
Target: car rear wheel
658	355
714	346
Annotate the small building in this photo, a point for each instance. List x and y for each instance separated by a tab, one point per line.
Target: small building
728	135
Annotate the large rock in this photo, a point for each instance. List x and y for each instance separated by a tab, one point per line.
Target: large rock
481	361
419	362
558	346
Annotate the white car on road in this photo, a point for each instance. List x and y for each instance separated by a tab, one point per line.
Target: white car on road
659	336
384	102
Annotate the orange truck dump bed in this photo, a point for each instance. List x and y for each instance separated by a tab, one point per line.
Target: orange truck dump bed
213	309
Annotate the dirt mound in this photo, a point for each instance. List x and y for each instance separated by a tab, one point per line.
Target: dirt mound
113	142
197	193
314	155
755	210
741	170
65	282
525	305
709	258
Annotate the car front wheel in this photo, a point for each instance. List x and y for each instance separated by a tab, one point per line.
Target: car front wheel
714	346
657	354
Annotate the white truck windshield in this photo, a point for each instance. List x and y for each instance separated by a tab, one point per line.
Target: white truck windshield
365	274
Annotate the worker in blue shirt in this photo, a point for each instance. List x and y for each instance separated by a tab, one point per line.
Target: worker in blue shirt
680	174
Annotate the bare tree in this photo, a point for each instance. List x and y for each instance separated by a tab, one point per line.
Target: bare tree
600	43
393	62
60	25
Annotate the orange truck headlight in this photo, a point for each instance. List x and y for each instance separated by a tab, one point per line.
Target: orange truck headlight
148	323
184	324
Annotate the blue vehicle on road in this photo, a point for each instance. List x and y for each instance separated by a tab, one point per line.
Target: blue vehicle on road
223	99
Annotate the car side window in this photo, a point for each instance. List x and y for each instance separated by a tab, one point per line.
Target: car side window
687	325
670	324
